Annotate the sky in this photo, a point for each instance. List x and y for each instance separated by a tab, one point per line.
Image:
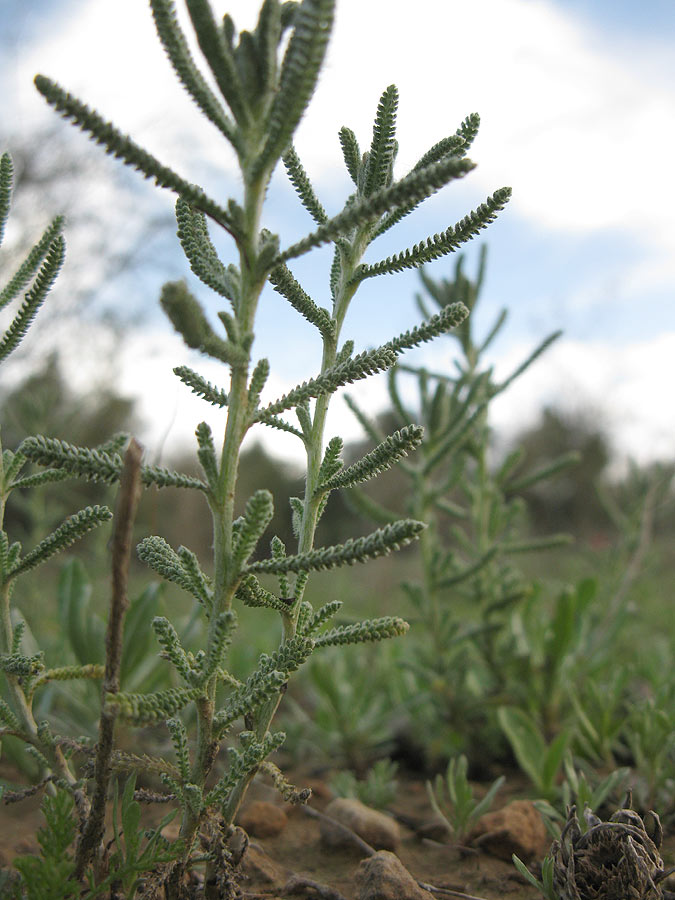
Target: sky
577	105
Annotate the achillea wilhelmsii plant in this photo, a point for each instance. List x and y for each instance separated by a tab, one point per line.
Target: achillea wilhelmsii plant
261	96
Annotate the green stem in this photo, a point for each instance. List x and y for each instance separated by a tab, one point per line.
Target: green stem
226	578
314	450
20	705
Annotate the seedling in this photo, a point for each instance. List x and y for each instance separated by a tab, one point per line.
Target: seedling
460	809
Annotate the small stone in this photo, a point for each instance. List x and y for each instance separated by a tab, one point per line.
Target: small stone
375	828
434	830
517	828
261	869
384	877
261	819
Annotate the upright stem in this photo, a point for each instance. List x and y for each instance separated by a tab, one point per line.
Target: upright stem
125	514
226	578
314	450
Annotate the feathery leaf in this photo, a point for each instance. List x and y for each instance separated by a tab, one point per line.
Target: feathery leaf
265	418
469	129
383	457
361	632
378	543
450	317
68	673
144	709
284	283
122	147
252	594
206	453
196	579
21	666
242	764
416	186
180	568
188	318
257	383
74	527
161	477
367	363
303	186
177	49
6	179
258	689
257	516
39	478
7	717
321	616
195	240
201	386
456	145
32	263
288	657
180	746
218	53
99	464
351	153
34	297
332	463
172	649
440	244
383	147
266	40
94	463
304	55
223	630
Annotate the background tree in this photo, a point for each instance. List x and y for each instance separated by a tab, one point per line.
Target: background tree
571	501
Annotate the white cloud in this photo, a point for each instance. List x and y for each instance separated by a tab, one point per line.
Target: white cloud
583	133
628	387
585	137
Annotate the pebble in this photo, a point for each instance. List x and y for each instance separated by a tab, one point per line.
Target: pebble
259	866
262	819
516	828
384	877
374	827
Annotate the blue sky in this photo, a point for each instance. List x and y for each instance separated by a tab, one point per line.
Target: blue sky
577	101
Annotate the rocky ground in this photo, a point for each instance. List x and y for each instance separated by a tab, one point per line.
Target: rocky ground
337	849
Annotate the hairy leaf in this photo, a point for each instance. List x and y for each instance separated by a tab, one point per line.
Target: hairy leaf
378	543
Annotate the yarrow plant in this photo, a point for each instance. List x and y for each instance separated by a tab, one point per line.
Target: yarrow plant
469	589
264	80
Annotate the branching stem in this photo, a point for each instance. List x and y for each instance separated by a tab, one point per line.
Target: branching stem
226	578
21	705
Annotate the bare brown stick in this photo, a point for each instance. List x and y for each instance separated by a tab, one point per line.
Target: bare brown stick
16	796
125	513
447	892
299	884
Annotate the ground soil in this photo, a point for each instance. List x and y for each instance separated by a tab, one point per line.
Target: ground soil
298	849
